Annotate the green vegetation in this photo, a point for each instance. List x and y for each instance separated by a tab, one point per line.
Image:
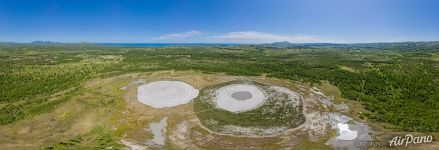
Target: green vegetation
98	138
275	112
398	85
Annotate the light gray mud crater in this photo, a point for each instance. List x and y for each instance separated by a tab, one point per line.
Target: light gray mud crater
160	94
245	108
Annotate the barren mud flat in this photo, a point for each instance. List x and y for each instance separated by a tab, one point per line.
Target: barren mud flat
159	94
239	97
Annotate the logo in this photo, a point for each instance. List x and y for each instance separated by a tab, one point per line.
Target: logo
410	139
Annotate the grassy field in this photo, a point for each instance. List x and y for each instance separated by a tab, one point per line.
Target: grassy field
75	88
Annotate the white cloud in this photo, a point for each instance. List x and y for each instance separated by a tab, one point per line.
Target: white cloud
260	37
235	37
179	35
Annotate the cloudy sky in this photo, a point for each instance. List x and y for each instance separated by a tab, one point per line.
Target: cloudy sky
219	21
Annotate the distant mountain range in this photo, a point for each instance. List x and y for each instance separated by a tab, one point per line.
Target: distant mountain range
45	42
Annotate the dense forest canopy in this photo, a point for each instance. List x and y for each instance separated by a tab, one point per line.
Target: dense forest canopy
395	46
397	83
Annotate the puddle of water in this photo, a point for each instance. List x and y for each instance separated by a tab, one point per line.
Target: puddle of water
158	129
348	134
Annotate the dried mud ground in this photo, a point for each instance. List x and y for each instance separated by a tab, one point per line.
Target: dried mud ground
105	114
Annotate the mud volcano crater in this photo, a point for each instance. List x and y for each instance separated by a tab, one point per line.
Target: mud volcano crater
249	108
160	94
241	95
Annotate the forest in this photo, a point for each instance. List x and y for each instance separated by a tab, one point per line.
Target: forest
397	87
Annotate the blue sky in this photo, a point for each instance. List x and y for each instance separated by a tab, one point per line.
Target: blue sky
219	21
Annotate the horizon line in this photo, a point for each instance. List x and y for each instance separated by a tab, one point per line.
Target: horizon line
55	42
